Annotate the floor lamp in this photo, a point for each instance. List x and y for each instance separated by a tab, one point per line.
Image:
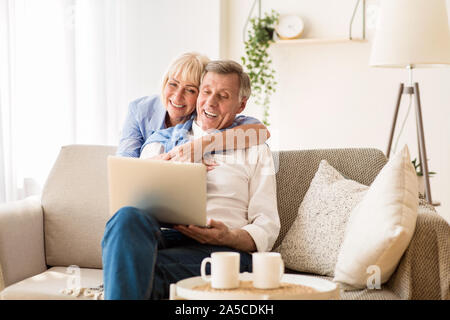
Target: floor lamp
412	34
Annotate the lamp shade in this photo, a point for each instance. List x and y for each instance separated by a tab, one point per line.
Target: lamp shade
411	32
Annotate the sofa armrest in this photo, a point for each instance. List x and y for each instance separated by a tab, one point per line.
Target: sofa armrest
424	270
22	252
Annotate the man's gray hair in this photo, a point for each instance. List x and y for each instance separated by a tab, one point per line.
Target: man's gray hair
229	67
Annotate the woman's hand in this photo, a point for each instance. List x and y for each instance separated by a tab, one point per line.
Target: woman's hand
186	153
192	152
162	156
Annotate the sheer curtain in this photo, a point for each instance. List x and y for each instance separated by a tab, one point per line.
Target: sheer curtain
53	86
69	68
57	85
33	92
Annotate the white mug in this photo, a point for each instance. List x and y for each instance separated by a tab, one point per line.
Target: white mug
224	270
268	269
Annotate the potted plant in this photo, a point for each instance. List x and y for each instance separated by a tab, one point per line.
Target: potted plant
420	179
257	60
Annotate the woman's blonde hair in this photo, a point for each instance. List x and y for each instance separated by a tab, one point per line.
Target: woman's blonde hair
187	67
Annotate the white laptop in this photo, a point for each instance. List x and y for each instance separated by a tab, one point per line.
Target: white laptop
174	192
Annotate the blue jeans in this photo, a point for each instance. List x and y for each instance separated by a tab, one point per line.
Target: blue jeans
141	260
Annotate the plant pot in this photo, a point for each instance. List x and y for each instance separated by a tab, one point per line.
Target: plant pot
270	32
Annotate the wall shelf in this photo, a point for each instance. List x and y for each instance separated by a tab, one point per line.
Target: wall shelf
350	38
316	41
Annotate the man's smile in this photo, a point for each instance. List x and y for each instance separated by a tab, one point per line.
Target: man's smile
209	115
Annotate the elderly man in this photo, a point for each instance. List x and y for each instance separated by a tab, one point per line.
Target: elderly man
141	259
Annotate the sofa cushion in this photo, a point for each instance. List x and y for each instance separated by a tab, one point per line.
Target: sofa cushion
313	242
75	204
296	169
381	225
53	284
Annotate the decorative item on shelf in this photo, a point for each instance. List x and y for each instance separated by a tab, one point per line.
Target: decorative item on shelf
258	62
412	34
289	27
292	22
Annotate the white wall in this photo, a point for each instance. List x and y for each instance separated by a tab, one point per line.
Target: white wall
328	96
153	33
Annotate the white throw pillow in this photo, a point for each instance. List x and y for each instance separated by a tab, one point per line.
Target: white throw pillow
312	243
381	226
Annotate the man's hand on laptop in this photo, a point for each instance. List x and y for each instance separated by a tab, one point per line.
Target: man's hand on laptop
219	234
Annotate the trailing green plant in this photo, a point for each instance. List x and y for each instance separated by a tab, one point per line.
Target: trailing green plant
258	62
418	168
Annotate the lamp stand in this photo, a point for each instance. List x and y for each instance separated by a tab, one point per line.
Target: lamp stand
420	133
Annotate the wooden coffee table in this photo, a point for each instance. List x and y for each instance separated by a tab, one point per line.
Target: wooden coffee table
294	287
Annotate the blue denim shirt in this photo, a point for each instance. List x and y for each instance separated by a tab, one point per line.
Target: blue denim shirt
145	116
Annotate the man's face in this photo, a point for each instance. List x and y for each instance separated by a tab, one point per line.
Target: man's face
218	101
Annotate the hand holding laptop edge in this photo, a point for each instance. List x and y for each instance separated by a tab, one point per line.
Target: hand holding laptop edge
219	234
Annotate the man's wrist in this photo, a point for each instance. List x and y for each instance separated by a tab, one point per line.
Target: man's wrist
233	236
242	240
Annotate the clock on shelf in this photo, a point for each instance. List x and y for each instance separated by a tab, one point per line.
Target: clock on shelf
289	27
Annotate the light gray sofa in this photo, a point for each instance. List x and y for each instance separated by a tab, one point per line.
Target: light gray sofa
41	237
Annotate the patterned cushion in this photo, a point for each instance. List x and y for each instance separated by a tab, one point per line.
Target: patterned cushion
296	169
312	243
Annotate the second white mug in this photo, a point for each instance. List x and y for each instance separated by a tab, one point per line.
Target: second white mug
268	269
224	270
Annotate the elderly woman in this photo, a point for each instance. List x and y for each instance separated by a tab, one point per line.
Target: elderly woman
180	89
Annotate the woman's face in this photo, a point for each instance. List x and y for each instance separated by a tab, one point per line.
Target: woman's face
180	99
